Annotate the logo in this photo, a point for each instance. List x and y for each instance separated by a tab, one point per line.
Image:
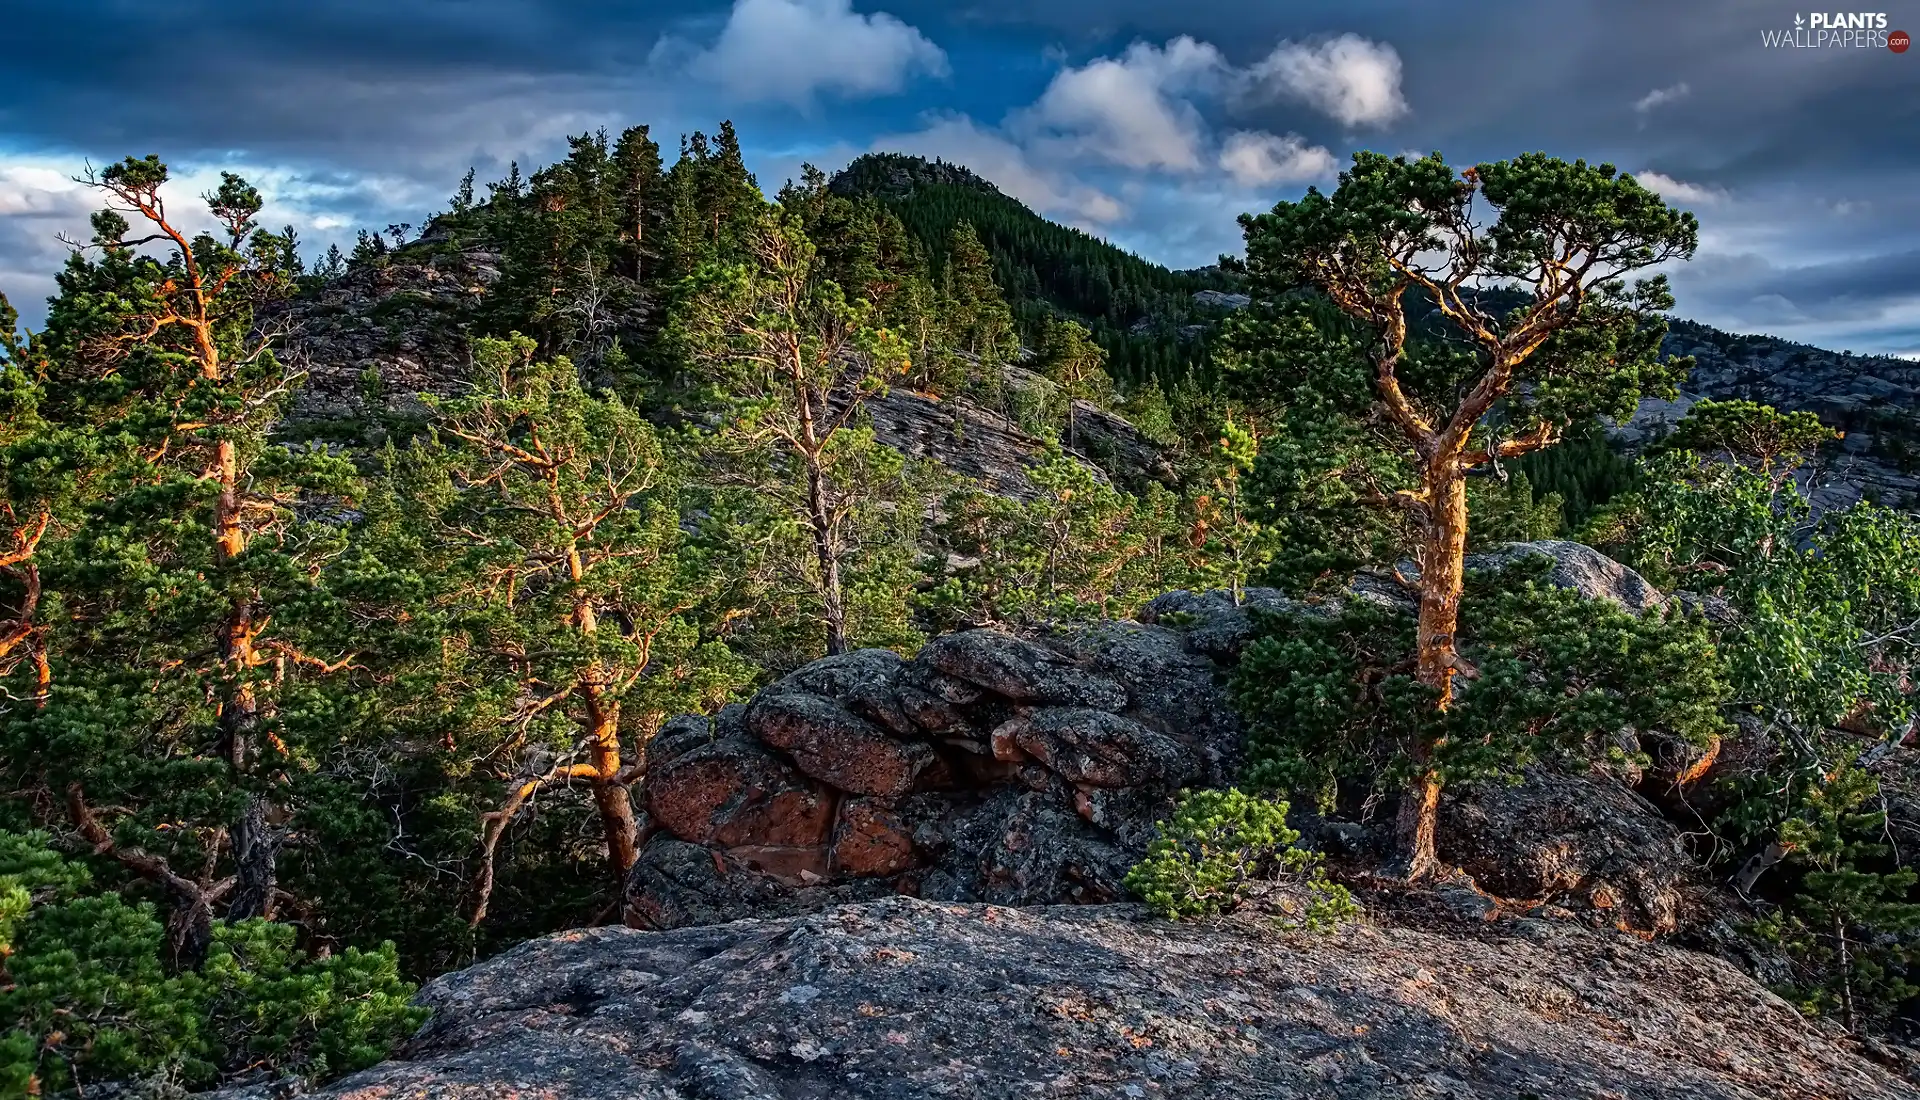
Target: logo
1823	30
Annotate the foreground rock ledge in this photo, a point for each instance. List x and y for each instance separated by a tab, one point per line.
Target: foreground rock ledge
903	998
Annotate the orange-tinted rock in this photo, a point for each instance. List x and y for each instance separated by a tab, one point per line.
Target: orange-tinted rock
791	866
836	746
734	792
870	841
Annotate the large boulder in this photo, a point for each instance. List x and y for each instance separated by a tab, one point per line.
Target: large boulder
1580	568
1022	769
1572	565
1585	844
901	998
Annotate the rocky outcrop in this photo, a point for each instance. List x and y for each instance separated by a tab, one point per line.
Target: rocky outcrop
991	767
961	436
904	998
404	323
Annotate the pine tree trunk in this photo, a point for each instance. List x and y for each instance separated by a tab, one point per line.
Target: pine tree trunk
256	843
603	724
1442	566
256	855
833	608
616	806
189	932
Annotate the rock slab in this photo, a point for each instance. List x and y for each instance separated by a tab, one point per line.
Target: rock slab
901	999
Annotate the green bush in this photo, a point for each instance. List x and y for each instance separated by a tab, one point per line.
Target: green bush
1219	844
82	985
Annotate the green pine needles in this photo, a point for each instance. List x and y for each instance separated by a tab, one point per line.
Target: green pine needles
87	997
1333	705
1219	845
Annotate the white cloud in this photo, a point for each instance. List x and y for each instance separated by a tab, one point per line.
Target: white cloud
1353	80
1660	96
794	50
1131	110
1674	190
1256	159
1151	110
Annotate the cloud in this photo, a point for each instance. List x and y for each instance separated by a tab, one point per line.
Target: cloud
1661	96
1140	136
1131	110
1755	290
792	51
1674	190
1350	79
1256	159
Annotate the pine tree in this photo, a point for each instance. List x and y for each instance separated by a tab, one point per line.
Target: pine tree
799	360
1578	342
978	320
1079	549
1072	361
183	568
562	512
641	184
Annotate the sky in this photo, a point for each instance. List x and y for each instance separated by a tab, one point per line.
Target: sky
1152	123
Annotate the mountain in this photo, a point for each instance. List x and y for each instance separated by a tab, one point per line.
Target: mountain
1873	399
1137	309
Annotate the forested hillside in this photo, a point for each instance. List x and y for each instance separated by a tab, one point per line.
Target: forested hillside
1135	307
344	607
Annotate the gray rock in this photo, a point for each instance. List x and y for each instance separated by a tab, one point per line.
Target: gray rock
1212	622
1578	567
901	999
1096	749
1586	843
1019	670
1220	299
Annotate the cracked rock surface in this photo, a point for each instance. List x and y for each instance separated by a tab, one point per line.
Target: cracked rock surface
904	998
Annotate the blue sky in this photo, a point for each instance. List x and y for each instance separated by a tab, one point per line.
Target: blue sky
1150	122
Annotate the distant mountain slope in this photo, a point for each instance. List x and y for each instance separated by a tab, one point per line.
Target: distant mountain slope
1873	399
1135	307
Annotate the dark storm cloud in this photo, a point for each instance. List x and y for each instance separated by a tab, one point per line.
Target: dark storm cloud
1758	290
342	80
1804	161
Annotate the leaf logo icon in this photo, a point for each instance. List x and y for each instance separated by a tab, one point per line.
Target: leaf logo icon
1798	20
